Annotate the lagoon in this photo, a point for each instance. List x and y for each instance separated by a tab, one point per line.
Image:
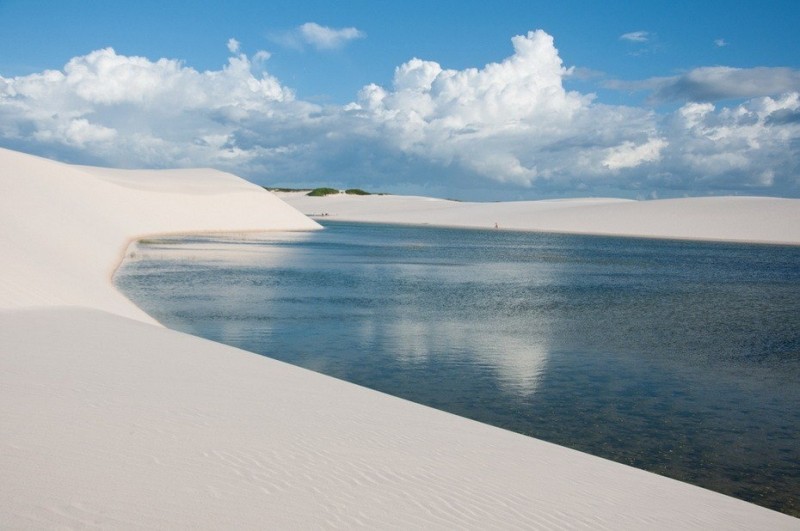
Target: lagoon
682	358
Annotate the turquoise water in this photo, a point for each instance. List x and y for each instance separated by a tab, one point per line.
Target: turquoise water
676	357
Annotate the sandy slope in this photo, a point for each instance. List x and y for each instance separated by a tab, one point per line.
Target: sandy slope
65	228
108	421
744	219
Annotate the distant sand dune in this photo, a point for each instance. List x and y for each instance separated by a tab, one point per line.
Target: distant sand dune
741	219
108	420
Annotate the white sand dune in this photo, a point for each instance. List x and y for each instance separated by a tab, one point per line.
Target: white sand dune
740	219
65	227
108	420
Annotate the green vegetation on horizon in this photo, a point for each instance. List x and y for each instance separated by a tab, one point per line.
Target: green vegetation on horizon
321	192
271	189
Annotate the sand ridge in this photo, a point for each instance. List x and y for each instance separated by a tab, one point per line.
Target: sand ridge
65	228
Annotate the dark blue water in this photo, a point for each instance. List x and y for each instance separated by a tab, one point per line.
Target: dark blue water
676	357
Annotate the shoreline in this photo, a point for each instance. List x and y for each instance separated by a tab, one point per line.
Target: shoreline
322	219
110	420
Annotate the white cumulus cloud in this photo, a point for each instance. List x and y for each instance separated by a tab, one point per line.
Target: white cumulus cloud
503	129
316	36
741	147
630	155
157	112
78	132
326	38
493	121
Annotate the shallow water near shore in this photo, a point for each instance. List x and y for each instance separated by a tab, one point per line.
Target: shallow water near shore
681	358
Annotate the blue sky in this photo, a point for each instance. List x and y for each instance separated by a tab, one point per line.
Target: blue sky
634	99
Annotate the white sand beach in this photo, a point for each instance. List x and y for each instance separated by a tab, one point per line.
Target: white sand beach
736	219
110	420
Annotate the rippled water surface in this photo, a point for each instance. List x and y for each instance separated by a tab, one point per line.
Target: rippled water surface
675	357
